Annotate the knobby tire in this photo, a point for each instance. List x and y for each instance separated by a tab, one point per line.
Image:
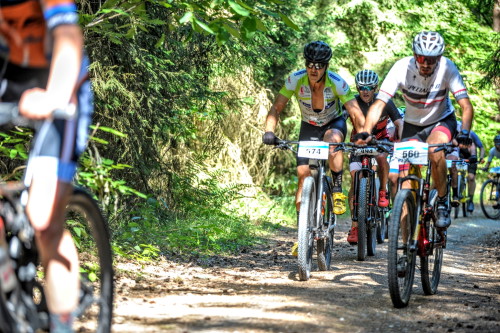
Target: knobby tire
400	286
306	221
325	245
91	235
362	216
431	264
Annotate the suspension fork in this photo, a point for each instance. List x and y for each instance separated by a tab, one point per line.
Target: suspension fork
364	172
319	211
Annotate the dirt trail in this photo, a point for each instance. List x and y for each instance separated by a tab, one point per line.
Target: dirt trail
258	291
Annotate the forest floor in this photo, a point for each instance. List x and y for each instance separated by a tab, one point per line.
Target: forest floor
258	290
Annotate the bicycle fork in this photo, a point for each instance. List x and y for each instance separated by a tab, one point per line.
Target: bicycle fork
324	200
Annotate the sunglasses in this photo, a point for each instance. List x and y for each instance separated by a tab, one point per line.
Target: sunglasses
430	60
366	88
317	65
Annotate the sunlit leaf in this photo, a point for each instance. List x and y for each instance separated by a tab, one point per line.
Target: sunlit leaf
289	22
186	18
238	9
204	26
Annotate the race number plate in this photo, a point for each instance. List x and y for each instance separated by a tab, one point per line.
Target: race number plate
413	152
313	149
366	151
462	166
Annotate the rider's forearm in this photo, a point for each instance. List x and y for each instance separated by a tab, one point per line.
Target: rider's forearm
373	115
271	120
356	114
467	113
65	64
274	113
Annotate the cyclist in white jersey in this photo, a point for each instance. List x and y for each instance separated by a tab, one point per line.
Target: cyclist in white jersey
426	79
320	94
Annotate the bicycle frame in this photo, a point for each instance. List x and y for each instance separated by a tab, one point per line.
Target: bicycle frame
318	172
420	239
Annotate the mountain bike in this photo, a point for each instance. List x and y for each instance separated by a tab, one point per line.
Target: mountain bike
412	229
316	218
371	219
23	305
462	188
490	195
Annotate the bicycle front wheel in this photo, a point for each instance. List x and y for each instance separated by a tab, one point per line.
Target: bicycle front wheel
363	213
307	217
401	261
489	199
325	244
432	261
91	236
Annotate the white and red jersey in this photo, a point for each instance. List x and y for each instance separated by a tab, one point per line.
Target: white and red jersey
427	98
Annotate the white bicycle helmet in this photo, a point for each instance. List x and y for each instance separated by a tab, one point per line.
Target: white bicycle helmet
428	43
366	77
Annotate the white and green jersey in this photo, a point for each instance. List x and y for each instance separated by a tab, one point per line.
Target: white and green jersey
336	93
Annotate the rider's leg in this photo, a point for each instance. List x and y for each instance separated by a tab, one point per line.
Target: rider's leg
48	197
335	162
383	171
439	176
393	177
352	236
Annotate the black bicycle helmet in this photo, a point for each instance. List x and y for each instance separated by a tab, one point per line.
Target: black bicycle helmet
318	51
496	140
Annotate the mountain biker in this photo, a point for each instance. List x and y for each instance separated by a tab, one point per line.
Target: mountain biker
43	67
468	152
425	79
494	152
367	84
320	94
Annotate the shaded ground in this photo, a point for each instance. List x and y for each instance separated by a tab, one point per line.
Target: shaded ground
258	290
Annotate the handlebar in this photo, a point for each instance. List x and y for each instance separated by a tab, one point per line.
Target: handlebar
9	114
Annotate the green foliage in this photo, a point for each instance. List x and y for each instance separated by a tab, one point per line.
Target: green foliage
168	75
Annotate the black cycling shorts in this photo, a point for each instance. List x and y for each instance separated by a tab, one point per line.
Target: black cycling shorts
447	125
310	132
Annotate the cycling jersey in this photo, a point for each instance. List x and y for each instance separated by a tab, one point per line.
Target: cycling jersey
336	93
25	27
427	98
389	113
493	153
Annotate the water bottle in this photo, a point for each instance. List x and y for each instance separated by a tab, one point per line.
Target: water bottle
7	275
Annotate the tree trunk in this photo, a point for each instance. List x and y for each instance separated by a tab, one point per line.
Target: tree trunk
496	16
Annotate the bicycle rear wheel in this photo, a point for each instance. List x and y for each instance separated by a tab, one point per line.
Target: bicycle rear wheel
381	225
489	199
325	245
307	216
432	262
401	261
91	236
